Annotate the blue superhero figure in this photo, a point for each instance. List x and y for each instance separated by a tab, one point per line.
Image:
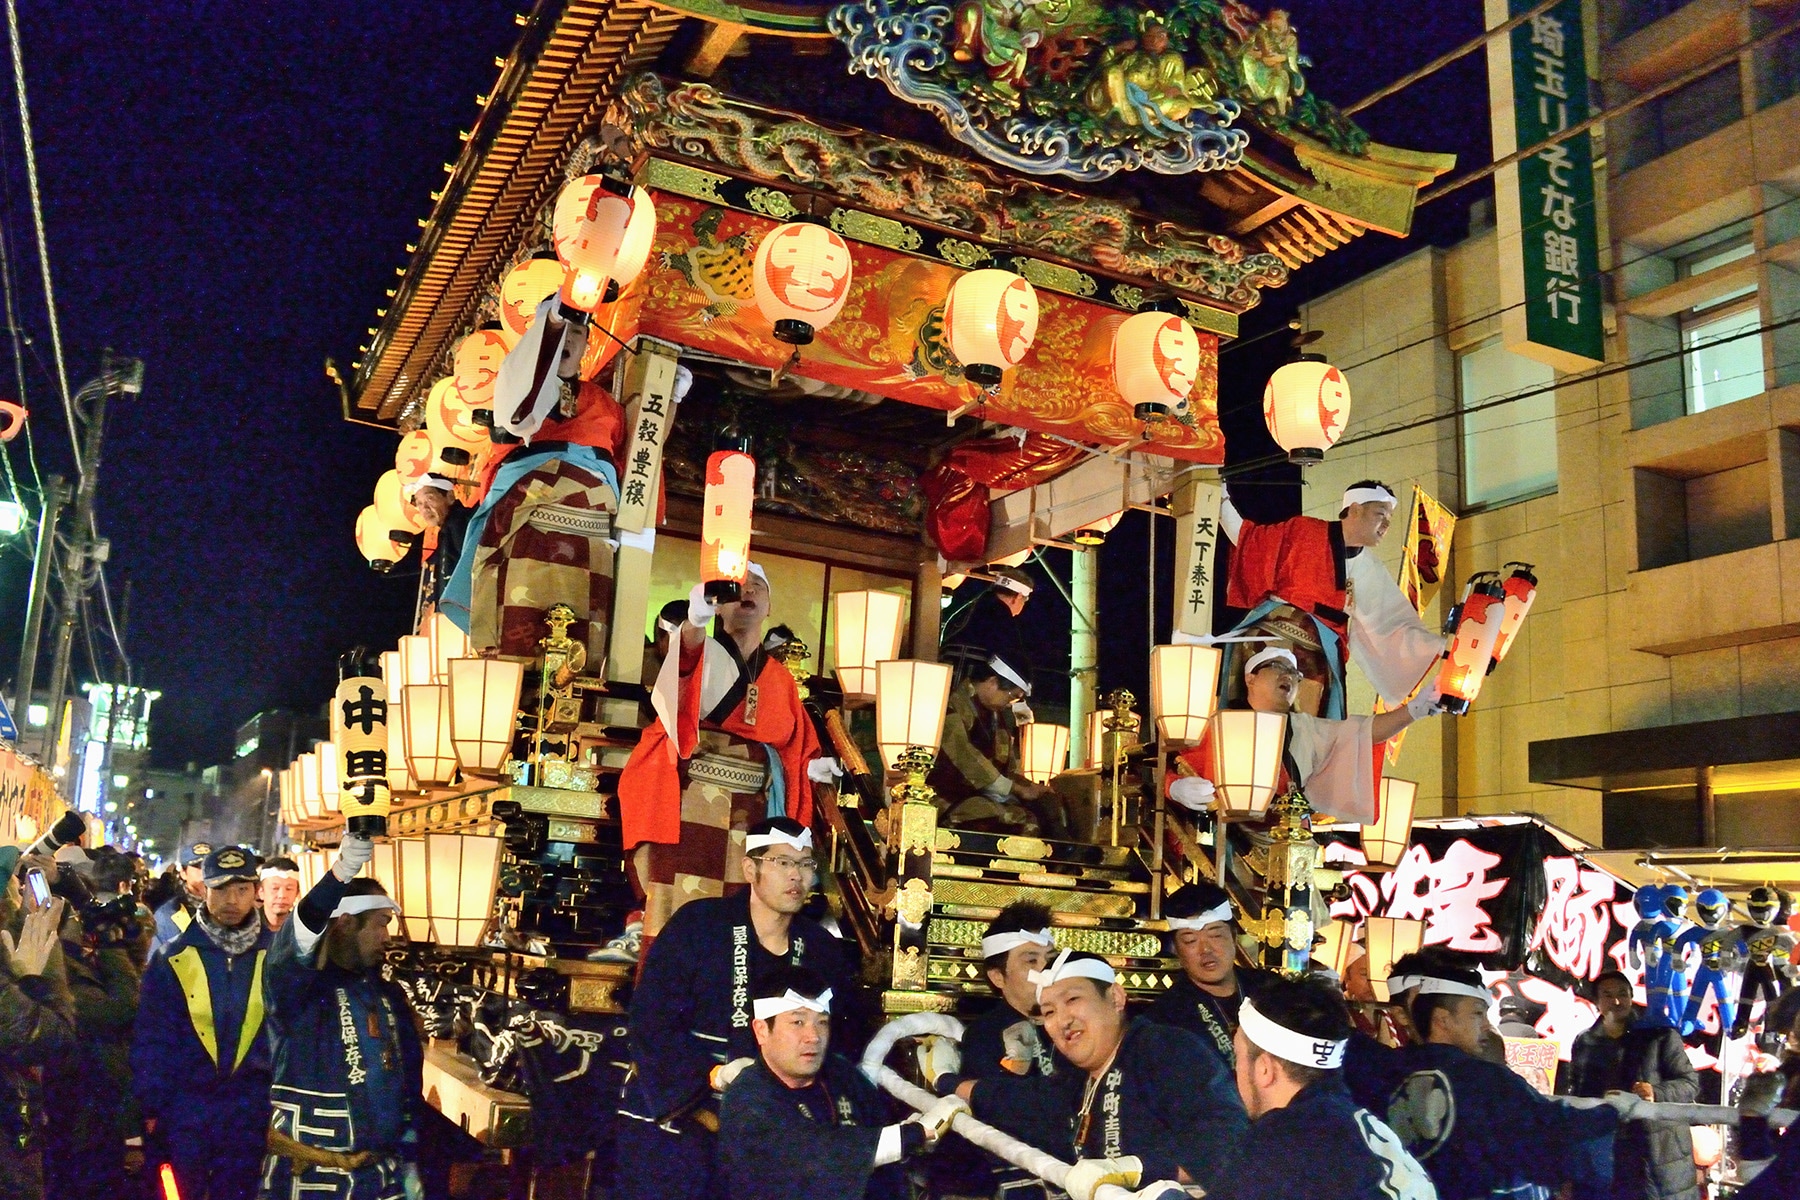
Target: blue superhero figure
1665	983
1717	948
1641	947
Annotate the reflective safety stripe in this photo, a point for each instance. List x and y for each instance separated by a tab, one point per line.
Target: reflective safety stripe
190	972
182	918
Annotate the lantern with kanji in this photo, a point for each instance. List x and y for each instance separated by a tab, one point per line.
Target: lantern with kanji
1519	590
1306	406
802	278
725	523
1155	361
359	728
1476	621
412	458
524	288
477	361
990	322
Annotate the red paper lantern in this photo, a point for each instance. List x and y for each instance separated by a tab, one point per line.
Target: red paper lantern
990	321
802	278
1477	623
725	523
1520	590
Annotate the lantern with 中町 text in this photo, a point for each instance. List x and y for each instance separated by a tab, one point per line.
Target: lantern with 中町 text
1243	760
1306	405
802	278
867	627
1518	591
359	729
990	322
1477	621
1184	690
725	523
1155	361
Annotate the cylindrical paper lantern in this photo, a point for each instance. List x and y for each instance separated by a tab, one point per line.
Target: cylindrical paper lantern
1479	618
359	726
725	523
990	321
1519	590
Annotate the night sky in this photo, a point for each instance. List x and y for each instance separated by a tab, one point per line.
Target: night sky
228	189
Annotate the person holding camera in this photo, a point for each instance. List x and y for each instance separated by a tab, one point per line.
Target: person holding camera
37	1021
200	1053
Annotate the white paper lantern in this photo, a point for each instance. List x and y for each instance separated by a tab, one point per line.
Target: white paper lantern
1155	361
990	321
802	278
1306	406
592	252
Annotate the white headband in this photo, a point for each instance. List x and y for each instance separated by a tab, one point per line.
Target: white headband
667	626
756	570
1081	968
1268	656
1325	1054
788	1001
350	906
1430	985
1004	943
1005	671
1401	983
1012	585
1213	915
277	873
429	481
759	841
1368	495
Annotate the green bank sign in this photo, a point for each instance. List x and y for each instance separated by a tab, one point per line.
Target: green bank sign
1549	241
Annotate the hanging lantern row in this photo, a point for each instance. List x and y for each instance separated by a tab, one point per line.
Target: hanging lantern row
801	277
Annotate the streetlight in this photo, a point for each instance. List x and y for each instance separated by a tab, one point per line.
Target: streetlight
12	518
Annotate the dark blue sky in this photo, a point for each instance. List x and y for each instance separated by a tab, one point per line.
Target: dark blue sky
228	189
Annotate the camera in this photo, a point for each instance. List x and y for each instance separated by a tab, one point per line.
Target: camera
68	828
111	922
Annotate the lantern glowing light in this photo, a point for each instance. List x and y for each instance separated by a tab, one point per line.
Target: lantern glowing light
1518	590
477	360
415	659
359	720
461	877
412	458
331	785
868	630
393	673
591	252
1243	758
725	523
1043	751
1155	361
1306	405
802	278
484	710
447	642
375	541
415	888
1184	690
391	504
1387	940
430	753
525	287
990	322
1478	622
910	699
1339	939
1385	838
572	205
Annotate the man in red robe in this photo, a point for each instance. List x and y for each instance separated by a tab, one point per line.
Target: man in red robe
733	745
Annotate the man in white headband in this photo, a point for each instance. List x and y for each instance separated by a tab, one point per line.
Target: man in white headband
802	1123
1144	1101
691	1013
1009	1036
1203	937
433	498
347	1093
733	742
991	611
1307	1136
1332	757
1317	566
279	888
1479	1128
977	769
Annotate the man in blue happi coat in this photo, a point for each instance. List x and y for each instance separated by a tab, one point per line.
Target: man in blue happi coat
347	1059
691	1012
199	1054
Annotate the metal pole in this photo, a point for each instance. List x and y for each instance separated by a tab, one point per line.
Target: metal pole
55	496
1084	656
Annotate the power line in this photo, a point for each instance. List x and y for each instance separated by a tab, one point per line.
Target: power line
1445	59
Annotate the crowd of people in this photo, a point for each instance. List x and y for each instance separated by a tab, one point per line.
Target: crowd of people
214	1034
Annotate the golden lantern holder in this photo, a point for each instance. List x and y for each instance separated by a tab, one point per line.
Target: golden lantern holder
913	825
1287	925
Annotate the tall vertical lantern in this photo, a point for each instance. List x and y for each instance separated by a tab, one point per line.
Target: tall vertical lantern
1184	689
990	321
725	523
399	778
1478	619
415	888
1385	838
1155	361
359	723
910	699
484	711
1244	750
1387	940
1306	405
868	631
306	797
1518	590
331	785
430	754
1043	751
802	278
463	871
447	642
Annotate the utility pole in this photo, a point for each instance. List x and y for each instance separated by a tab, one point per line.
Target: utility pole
124	376
56	494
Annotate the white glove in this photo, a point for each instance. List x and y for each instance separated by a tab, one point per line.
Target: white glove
700	609
824	770
1192	793
353	853
721	1076
1022	714
936	1119
1422	706
1019	1044
684	379
1089	1174
938	1057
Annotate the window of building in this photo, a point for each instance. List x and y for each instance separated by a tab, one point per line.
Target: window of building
1722	358
1508	450
1682	117
1777	66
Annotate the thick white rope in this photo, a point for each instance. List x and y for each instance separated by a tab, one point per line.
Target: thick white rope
1636	1108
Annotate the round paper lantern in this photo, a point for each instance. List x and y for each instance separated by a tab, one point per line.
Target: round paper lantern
1306	406
634	250
374	541
802	278
525	287
391	505
449	422
570	211
990	319
1155	360
592	251
412	459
